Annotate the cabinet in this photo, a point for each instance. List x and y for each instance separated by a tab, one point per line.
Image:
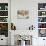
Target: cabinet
42	41
3	40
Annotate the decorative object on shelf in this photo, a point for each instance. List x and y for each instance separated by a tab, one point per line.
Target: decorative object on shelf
3	6
4	26
13	27
45	7
0	7
41	6
41	19
41	25
31	27
3	19
22	14
42	32
6	7
43	39
43	13
3	13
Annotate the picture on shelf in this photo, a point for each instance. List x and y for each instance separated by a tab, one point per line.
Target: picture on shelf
6	7
42	32
22	14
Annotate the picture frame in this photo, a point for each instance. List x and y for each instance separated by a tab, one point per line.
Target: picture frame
22	14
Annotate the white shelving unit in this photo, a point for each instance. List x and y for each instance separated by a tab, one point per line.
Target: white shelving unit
4	23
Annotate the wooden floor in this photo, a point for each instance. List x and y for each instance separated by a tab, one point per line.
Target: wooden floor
3	45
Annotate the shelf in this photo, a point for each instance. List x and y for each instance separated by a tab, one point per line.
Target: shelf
41	22
41	10
3	16
3	22
41	28
3	10
42	16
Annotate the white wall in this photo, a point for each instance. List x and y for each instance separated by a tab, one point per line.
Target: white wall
32	6
23	24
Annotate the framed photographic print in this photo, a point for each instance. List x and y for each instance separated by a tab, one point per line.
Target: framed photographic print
22	14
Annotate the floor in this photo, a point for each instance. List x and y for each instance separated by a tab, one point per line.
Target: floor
3	45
